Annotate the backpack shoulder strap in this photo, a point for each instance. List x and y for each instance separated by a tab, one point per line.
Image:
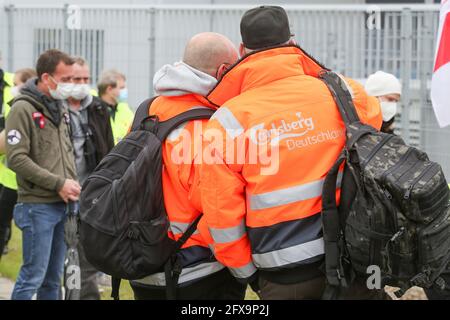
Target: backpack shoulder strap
142	113
341	95
173	268
331	225
165	127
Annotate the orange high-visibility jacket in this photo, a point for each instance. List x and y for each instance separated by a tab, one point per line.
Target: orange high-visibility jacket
263	218
182	203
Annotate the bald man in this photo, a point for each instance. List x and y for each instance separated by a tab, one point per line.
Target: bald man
181	87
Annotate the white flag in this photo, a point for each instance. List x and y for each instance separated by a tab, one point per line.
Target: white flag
440	84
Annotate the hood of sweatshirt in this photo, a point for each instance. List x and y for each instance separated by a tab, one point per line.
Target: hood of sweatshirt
180	79
53	106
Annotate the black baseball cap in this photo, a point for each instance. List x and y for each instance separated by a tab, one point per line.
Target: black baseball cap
265	26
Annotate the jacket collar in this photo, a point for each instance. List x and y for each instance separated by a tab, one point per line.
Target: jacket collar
262	67
51	108
191	99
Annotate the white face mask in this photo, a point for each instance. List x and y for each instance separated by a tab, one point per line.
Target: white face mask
123	95
388	110
63	90
15	91
80	91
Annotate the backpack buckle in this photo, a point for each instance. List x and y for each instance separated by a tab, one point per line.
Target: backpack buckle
397	235
150	123
440	282
133	230
420	279
176	267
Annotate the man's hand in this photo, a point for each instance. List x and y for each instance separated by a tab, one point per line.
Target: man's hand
70	190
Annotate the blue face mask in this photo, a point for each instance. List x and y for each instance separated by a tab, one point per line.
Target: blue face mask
123	95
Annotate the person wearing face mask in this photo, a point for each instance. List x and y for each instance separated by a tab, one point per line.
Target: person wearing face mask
114	94
8	184
388	89
92	139
39	150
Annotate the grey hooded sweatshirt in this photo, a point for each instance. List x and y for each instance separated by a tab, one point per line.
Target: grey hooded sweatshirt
180	79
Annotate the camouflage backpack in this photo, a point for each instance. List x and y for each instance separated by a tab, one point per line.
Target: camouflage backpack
394	207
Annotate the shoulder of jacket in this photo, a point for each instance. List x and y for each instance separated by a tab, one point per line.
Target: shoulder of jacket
97	104
9	78
236	107
359	94
123	106
22	105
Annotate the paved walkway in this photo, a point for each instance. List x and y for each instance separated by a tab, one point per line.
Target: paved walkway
6	287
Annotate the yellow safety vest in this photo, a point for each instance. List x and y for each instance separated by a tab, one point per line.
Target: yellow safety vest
7	177
122	121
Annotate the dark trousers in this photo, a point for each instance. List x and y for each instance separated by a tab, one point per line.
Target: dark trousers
8	199
306	290
89	287
358	291
218	286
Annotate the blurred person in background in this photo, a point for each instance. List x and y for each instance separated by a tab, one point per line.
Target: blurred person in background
8	184
388	89
92	139
113	92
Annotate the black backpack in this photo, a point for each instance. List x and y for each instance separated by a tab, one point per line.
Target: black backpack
124	224
394	208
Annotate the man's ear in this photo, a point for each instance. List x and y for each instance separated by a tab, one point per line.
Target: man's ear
220	71
242	50
45	79
108	89
292	42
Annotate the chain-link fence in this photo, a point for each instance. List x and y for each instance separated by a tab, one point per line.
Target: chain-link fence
355	40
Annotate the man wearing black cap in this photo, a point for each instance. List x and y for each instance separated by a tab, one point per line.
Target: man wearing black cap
263	27
264	216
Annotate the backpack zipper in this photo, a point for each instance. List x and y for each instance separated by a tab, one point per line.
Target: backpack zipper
391	169
114	154
378	147
416	180
100	177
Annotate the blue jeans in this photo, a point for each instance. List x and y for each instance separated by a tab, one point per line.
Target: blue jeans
44	250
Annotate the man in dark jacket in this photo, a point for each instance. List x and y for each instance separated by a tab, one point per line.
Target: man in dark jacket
92	139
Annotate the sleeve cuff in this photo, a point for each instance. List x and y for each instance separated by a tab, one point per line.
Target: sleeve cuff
59	183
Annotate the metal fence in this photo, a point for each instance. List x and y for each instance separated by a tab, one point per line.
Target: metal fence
355	40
